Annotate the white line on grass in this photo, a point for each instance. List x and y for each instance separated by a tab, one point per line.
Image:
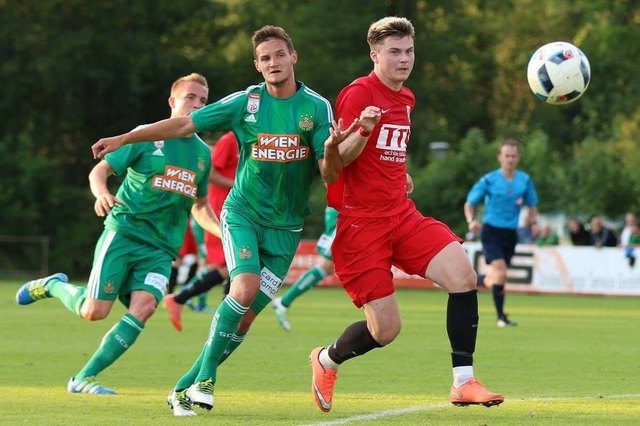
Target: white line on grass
419	408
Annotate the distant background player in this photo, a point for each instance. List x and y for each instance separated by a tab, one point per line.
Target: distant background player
504	192
185	266
313	276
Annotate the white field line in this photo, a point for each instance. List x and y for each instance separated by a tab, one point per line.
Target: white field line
419	408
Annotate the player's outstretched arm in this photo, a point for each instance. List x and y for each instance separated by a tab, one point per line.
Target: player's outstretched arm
176	127
204	215
332	164
353	145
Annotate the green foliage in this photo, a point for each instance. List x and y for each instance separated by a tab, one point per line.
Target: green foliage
547	169
77	70
600	181
441	186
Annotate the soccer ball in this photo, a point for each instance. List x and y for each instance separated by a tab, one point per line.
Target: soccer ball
558	73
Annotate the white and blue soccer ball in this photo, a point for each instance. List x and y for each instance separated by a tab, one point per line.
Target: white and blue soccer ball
558	73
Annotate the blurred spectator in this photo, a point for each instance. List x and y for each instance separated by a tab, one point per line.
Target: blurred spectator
579	235
629	223
633	242
601	236
527	232
547	237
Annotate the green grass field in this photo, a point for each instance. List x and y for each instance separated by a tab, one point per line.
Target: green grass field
572	360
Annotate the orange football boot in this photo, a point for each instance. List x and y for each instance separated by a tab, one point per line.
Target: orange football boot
323	381
474	392
175	311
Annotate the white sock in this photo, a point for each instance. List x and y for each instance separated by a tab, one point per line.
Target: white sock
326	361
461	375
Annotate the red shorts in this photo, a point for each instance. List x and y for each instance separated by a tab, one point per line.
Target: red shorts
215	254
365	249
189	245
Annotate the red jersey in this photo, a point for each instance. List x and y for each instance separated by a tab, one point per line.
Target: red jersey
374	184
224	157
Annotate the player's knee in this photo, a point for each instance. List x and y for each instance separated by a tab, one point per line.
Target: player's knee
471	280
387	334
463	282
143	311
500	276
92	313
244	294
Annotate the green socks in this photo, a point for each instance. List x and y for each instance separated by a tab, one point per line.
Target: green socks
308	280
113	345
71	296
235	341
223	327
191	376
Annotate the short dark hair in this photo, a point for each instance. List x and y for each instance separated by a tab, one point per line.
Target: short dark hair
268	32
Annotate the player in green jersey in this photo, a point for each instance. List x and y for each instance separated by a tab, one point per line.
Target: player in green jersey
285	130
165	181
313	276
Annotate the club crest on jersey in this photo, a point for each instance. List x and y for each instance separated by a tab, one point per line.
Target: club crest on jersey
253	104
245	253
108	287
159	144
306	122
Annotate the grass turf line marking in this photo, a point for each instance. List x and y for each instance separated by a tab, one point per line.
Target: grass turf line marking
419	408
380	415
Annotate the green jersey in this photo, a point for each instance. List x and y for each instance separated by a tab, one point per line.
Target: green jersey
162	181
280	143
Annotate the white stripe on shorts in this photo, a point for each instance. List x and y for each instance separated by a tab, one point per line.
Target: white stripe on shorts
227	244
93	287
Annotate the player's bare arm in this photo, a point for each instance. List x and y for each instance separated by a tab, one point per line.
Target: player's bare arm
176	127
353	145
409	184
470	216
204	215
332	164
533	219
105	201
216	178
533	214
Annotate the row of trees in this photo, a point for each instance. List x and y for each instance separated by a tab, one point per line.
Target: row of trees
77	70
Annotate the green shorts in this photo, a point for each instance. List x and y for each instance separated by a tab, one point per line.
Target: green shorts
258	249
122	264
